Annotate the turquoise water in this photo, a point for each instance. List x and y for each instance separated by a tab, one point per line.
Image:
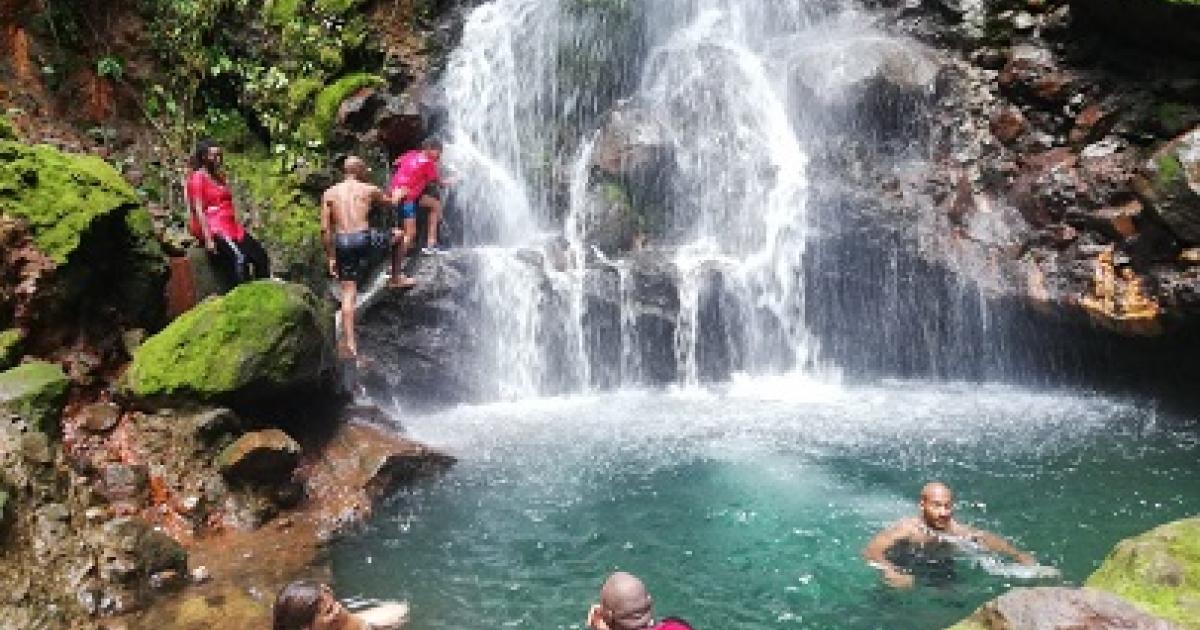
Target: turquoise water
747	508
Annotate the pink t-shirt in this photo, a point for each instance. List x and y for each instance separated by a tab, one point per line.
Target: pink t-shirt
218	206
414	171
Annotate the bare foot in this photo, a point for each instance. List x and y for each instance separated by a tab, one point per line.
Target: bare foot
402	282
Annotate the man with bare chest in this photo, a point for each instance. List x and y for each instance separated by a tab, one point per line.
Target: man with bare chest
930	541
349	240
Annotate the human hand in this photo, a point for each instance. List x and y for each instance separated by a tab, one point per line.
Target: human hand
595	618
210	245
898	579
333	267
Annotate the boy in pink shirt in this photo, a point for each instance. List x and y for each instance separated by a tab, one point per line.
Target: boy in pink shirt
415	171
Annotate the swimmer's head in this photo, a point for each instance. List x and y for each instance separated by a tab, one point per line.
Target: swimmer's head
937	505
354	166
625	603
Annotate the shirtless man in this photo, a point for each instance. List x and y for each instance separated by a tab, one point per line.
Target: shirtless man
348	239
934	532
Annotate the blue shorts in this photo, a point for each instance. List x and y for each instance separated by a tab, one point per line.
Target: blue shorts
407	210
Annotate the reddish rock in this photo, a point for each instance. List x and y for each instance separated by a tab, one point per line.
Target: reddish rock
1008	124
1119	220
260	456
1061	608
100	417
1031	73
1090	125
123	482
1047	186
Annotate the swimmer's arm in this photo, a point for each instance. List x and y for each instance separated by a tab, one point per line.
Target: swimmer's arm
997	544
327	230
875	554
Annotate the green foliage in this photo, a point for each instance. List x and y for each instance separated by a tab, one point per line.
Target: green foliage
260	339
289	217
10	347
7	131
1158	570
111	67
332	96
1168	169
58	195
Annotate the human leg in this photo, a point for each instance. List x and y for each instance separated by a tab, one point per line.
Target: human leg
433	206
228	259
401	243
349	345
256	255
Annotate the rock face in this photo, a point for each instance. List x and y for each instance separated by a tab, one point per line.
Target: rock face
35	393
1159	571
261	340
1061	609
1170	184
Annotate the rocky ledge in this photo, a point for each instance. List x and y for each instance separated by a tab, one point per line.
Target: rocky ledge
1148	582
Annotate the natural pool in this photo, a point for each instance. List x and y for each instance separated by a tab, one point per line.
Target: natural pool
747	508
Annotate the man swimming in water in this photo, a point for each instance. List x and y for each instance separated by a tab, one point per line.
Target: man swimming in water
349	240
933	535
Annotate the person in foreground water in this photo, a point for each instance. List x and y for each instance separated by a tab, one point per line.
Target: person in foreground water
932	538
625	604
304	605
348	239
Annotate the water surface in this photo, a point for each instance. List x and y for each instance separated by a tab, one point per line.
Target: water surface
748	508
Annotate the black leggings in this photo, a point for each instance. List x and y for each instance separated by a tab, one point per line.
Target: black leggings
233	257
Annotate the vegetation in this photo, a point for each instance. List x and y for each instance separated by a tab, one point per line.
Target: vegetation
35	392
1158	570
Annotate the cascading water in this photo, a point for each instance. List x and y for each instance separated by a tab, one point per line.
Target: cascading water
523	122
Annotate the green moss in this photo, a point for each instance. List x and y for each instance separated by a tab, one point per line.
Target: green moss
1168	169
57	194
282	11
968	624
336	7
260	339
7	131
36	392
10	347
301	92
1159	571
331	98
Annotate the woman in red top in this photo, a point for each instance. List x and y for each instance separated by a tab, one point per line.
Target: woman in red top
214	222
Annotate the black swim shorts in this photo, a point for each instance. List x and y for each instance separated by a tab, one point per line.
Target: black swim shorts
354	251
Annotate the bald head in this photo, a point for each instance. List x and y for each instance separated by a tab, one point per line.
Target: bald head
354	166
626	602
937	505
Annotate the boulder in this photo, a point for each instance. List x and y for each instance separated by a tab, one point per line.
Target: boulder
75	233
34	392
1032	75
1159	571
262	340
260	457
99	417
1169	182
1059	608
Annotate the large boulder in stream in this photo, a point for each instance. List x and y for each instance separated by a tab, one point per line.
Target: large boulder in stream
262	340
1059	608
74	238
1159	571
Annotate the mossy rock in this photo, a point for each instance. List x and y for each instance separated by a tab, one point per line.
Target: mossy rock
261	340
10	347
35	392
1159	571
7	131
59	195
331	98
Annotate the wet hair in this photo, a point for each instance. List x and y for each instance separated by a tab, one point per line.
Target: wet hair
200	155
296	606
432	143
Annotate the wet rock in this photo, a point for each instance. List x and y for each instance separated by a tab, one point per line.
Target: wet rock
1157	571
34	392
1008	124
1031	74
262	340
100	417
1060	608
1091	124
1047	186
1169	183
260	457
123	482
